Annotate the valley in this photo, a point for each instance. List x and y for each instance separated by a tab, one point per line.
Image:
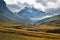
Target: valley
28	24
9	31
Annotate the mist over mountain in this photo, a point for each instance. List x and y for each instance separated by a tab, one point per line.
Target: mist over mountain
38	17
32	13
49	19
28	15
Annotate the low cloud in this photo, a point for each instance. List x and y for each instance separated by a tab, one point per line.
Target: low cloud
53	10
51	5
25	3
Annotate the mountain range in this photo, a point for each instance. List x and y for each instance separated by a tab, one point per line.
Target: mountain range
6	13
49	20
27	15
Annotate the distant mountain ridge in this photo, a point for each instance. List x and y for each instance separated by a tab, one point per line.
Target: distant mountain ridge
44	21
6	13
34	13
31	12
25	16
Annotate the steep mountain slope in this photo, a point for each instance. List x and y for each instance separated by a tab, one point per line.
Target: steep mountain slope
27	15
6	13
55	23
52	21
33	14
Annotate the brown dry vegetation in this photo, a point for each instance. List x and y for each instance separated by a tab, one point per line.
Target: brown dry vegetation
36	33
30	34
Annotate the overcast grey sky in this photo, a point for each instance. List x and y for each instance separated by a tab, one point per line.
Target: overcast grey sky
44	5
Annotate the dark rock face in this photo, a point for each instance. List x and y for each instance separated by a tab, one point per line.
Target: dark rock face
2	3
4	11
3	7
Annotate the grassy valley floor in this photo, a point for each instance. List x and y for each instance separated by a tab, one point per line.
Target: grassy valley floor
8	32
23	34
